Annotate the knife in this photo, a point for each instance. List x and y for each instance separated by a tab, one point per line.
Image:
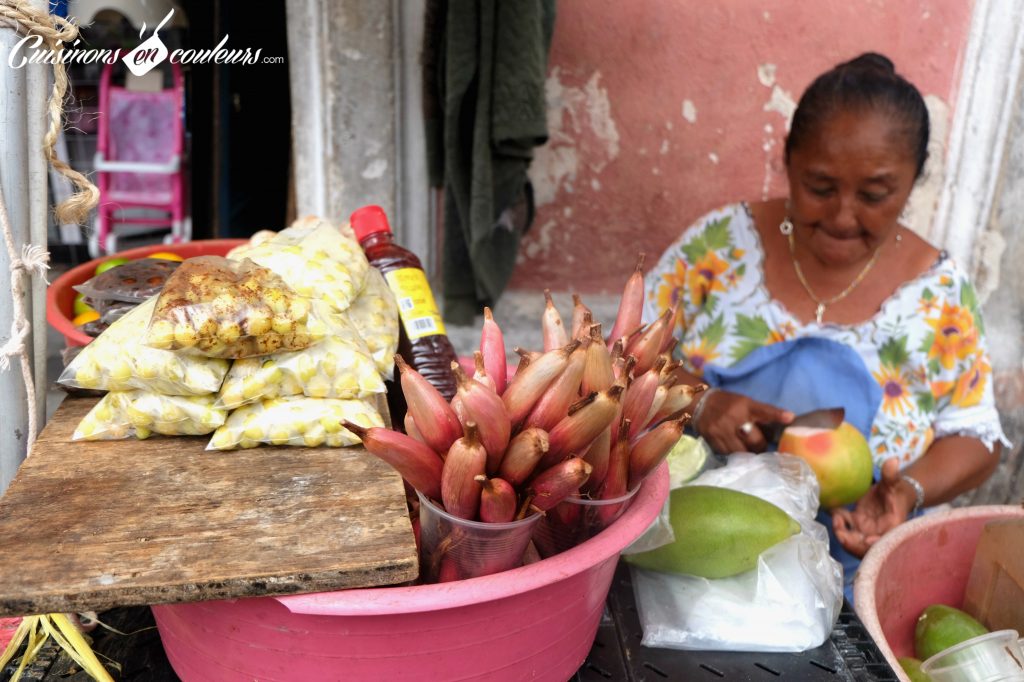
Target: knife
828	418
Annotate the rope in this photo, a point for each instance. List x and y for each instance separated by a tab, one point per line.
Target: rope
55	31
34	259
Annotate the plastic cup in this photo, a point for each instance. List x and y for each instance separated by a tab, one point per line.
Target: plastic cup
576	520
455	549
994	657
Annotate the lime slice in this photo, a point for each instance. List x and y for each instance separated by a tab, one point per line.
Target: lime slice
685	460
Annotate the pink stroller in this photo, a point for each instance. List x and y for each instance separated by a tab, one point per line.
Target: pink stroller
138	161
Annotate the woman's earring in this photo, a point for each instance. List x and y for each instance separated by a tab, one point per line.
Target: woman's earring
786	226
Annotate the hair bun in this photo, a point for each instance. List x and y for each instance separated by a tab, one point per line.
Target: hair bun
871	61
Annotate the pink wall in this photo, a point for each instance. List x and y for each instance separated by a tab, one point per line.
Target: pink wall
630	162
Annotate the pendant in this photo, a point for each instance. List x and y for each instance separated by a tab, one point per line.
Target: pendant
819	312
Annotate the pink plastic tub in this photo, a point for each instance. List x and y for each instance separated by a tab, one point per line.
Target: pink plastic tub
532	623
922	562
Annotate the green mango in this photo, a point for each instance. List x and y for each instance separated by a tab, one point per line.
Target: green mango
940	627
912	667
719	532
80	306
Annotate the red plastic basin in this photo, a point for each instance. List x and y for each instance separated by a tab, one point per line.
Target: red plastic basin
922	562
537	622
60	297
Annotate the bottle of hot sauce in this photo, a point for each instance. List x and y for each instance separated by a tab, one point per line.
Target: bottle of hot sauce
422	341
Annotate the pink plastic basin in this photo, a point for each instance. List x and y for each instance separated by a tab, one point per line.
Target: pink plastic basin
922	562
537	622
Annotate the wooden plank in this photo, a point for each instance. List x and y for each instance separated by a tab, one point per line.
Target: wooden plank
118	523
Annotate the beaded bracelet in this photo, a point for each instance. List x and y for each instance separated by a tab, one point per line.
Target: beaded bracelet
698	409
918	493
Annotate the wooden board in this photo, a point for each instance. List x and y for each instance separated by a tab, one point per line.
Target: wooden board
118	523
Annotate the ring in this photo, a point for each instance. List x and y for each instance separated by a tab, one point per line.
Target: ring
747	428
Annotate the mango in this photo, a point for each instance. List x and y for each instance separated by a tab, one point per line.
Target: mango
719	532
109	264
940	627
840	458
80	306
912	667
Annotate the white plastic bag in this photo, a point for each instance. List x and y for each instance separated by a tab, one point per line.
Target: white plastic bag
374	314
790	602
298	421
315	258
117	360
339	366
123	414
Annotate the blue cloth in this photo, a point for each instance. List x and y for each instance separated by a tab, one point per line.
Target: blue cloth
802	375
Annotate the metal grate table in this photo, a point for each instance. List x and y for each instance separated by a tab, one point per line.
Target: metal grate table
849	654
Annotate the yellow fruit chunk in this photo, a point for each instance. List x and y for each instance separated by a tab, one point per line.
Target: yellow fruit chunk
166	255
85	318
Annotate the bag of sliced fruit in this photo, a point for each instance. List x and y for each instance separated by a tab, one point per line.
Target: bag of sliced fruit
315	258
124	414
297	421
118	360
219	308
340	366
374	314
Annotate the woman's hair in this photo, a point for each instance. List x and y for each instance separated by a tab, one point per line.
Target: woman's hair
870	82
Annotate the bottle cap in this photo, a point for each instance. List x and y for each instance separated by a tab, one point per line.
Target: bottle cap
369	220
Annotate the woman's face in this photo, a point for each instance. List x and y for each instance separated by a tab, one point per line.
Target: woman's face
848	183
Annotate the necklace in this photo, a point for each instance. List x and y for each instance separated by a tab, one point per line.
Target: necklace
819	312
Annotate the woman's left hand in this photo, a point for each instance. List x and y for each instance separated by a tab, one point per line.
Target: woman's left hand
882	508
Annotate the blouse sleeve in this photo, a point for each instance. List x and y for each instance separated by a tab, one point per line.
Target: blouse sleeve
676	278
959	368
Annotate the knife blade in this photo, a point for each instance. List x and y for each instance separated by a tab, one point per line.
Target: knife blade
828	418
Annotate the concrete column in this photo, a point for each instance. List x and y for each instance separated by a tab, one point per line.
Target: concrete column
357	124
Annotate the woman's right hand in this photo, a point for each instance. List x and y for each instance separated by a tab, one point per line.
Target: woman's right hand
729	422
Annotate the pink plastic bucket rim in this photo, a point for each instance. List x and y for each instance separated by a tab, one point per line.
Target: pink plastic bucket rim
420	598
867	574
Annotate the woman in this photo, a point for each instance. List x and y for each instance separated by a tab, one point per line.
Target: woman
800	303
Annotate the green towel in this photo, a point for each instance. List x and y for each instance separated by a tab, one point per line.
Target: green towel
485	63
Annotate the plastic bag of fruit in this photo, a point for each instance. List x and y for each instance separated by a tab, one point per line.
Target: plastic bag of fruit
316	260
221	308
294	234
118	360
374	314
123	414
132	282
298	421
340	366
118	289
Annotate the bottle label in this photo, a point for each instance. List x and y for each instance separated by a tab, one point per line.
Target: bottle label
416	304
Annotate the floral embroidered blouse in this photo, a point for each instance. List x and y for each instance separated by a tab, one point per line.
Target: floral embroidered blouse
925	346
